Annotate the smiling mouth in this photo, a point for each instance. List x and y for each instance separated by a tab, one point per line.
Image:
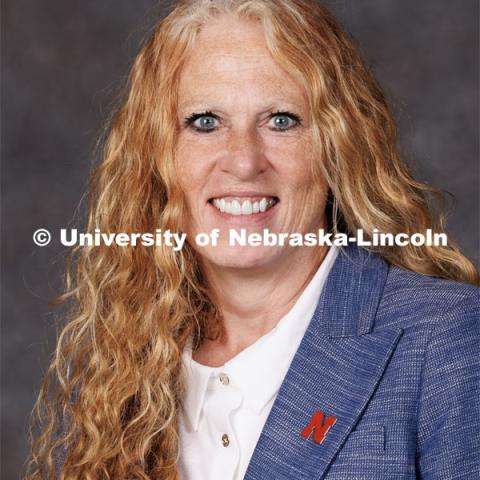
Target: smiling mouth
244	205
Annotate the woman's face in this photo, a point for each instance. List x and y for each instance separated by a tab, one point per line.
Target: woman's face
244	151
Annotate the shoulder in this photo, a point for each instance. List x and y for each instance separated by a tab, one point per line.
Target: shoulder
411	299
440	320
416	286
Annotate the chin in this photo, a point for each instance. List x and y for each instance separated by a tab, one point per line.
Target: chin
241	258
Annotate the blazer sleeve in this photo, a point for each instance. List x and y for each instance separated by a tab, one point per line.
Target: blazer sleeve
449	411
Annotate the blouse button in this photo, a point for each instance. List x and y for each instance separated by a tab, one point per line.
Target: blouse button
225	440
224	378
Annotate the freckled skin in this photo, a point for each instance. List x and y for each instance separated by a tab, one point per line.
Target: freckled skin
232	74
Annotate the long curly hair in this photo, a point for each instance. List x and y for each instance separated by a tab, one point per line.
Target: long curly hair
111	396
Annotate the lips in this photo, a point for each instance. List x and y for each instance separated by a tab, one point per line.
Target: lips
251	205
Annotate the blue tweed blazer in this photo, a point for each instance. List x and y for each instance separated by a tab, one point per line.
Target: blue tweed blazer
393	357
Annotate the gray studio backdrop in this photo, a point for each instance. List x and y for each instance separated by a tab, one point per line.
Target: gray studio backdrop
62	65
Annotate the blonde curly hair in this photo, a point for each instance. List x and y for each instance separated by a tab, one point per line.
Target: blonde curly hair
111	396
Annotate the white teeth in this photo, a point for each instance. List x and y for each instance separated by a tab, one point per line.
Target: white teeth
247	207
263	204
236	208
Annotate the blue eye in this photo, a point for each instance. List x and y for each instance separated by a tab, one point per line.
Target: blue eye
202	122
205	123
284	120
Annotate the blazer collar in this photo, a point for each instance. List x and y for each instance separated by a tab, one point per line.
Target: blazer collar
335	370
352	293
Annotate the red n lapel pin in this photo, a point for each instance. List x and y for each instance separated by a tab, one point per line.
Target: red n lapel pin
320	424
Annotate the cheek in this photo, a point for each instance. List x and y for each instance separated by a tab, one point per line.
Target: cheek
190	167
305	195
294	165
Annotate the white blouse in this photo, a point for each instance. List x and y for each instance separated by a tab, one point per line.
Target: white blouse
225	408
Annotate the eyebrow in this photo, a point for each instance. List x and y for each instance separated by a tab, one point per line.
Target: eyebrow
199	104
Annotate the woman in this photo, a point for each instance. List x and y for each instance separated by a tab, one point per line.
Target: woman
260	362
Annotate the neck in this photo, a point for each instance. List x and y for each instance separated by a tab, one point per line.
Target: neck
252	301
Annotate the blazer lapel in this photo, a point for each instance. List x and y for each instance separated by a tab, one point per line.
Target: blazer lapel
335	371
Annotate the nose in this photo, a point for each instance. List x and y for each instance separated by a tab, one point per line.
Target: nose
244	157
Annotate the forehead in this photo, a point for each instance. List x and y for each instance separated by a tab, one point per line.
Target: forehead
230	55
